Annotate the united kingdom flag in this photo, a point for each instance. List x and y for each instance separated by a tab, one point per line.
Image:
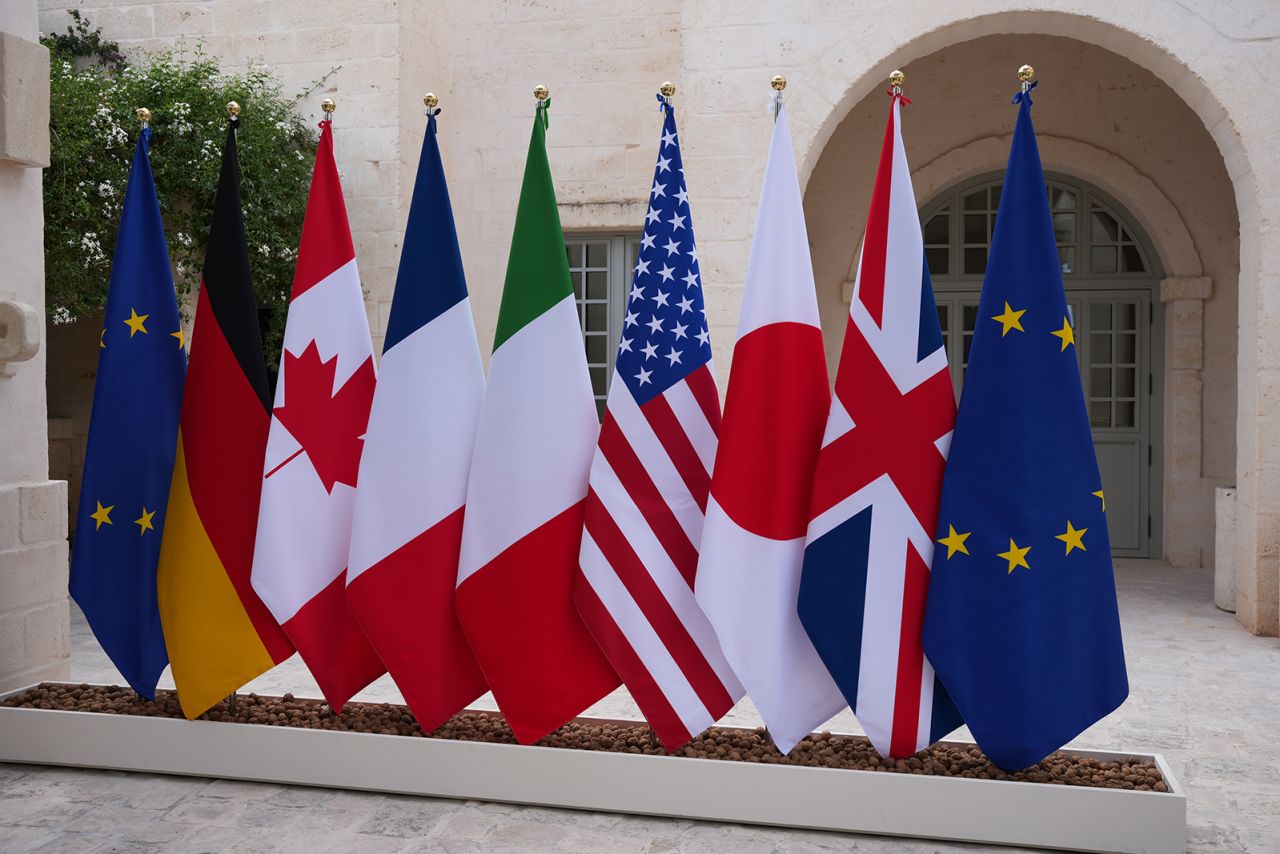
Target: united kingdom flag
876	490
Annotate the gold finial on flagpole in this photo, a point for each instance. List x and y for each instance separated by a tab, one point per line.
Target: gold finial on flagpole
430	101
1026	74
897	78
667	89
778	82
233	109
328	106
144	116
541	92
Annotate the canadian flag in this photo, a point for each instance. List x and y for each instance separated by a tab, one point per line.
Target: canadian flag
317	431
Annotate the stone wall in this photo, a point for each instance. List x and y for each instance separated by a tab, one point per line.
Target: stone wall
34	624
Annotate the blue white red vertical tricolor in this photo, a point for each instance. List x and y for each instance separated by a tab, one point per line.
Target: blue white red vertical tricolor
650	476
407	527
879	476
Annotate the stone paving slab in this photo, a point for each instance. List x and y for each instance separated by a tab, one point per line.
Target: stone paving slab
1204	693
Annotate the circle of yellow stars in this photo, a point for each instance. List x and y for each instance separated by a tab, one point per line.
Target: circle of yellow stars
102	515
1016	556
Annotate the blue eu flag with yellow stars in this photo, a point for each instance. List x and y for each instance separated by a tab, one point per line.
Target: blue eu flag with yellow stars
133	432
1022	625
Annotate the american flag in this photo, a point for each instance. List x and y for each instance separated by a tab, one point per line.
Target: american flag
650	477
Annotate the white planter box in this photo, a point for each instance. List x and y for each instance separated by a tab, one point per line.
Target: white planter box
990	811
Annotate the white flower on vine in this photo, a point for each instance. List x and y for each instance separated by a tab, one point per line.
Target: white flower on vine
92	247
183	238
265	250
106	190
62	316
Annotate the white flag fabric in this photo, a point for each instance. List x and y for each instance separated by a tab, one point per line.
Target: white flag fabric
775	411
317	431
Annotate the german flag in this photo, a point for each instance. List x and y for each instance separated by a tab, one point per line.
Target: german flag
218	632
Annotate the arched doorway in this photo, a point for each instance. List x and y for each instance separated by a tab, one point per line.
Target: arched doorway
1111	273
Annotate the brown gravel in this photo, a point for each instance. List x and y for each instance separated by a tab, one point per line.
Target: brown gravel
820	750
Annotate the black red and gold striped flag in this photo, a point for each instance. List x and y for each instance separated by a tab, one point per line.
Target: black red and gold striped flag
218	632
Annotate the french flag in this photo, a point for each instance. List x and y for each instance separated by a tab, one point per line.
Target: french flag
417	457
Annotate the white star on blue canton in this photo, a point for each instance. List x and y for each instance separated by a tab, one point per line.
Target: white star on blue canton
693	254
641	366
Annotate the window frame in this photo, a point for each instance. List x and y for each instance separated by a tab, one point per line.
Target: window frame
620	248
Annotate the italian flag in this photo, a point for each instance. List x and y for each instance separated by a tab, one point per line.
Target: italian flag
528	483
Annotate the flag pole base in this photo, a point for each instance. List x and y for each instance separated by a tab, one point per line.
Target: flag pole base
946	808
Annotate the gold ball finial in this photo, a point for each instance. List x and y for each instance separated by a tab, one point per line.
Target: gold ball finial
430	101
667	89
144	115
1026	74
778	82
328	106
233	109
541	92
897	78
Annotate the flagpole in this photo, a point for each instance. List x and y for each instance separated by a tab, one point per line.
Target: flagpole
778	83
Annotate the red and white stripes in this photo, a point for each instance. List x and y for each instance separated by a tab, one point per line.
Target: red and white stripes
649	484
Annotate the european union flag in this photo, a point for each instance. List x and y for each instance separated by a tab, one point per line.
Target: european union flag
1022	625
133	433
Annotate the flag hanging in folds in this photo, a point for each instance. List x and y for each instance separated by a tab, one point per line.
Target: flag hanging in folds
1022	623
650	477
753	539
413	472
317	431
528	483
875	493
128	460
219	633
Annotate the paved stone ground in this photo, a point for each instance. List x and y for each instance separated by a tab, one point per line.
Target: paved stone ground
1204	693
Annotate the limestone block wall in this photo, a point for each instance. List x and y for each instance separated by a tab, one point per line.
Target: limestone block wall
34	625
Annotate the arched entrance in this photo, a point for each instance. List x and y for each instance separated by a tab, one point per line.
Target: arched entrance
1112	277
1159	264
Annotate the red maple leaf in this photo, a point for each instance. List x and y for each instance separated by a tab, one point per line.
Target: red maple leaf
329	426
